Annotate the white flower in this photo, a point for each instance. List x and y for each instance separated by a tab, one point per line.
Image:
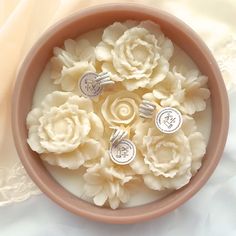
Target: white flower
106	182
168	161
187	92
69	64
75	51
195	94
70	76
137	56
121	108
196	141
65	129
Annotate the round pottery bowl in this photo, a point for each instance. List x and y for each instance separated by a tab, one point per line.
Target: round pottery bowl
82	22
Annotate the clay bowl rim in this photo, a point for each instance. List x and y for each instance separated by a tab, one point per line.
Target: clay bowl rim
135	214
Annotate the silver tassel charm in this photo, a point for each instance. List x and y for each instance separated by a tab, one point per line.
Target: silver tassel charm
146	109
103	78
91	84
118	135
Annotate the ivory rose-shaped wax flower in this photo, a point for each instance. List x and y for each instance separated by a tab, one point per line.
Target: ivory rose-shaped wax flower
167	161
69	64
121	108
106	182
185	91
65	130
136	55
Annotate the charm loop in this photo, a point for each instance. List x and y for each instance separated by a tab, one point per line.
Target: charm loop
118	135
146	109
104	79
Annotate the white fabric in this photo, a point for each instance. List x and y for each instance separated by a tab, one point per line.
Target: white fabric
210	212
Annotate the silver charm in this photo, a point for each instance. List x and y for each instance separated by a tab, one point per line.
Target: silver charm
123	153
91	83
146	109
168	120
104	79
118	135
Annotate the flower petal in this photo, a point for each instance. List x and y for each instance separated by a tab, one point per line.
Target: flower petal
159	72
103	52
70	46
56	66
97	128
139	166
92	190
85	51
71	76
82	103
55	99
153	182
33	117
198	148
93	177
71	160
108	67
189	125
90	149
100	198
34	140
113	32
114	202
167	49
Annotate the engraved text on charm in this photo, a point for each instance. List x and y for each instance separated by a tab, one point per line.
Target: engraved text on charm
168	120
123	153
88	85
146	109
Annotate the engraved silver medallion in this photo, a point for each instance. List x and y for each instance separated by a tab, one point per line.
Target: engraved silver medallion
91	83
168	120
123	153
89	86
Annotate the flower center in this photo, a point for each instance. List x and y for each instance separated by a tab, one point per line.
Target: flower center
62	129
140	53
123	110
165	155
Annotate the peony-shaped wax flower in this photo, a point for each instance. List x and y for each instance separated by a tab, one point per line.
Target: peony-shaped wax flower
168	161
135	54
185	91
106	182
195	92
75	51
69	77
196	141
69	64
121	108
64	130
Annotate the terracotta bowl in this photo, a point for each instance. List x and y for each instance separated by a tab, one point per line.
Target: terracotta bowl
82	22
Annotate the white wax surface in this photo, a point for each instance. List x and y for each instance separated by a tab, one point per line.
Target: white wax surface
72	179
